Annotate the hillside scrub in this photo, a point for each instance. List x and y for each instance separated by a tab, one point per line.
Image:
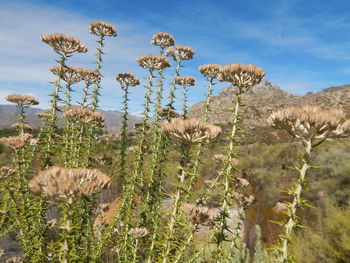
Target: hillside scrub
174	189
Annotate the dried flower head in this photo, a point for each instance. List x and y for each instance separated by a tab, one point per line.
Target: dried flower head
84	116
22	100
6	171
68	182
15	260
190	130
64	44
138	232
153	62
309	122
44	115
127	79
199	215
24	125
88	75
17	142
180	53
241	181
52	222
2	252
167	112
162	39
280	208
68	74
185	81
210	70
102	158
100	28
240	75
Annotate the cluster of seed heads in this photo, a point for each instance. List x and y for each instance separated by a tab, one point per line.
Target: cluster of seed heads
153	62
127	79
22	100
64	44
185	81
162	39
84	116
100	28
310	122
68	182
190	130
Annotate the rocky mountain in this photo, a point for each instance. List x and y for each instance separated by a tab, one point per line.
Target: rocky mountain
263	98
8	115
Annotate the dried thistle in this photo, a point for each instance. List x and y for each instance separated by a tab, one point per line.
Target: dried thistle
167	112
127	79
138	232
310	122
64	44
17	142
241	181
22	100
185	81
68	74
6	171
190	130
153	62
68	182
180	53
163	40
240	75
210	71
101	28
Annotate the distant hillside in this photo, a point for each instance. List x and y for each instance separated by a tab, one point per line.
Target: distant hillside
8	115
263	99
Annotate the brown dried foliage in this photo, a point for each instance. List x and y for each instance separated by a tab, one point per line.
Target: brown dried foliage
127	79
153	62
64	44
101	28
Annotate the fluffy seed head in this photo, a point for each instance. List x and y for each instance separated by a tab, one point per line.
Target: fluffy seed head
22	100
210	71
64	44
138	232
68	182
310	122
127	79
240	75
162	39
185	81
190	130
68	74
100	28
180	53
17	142
153	62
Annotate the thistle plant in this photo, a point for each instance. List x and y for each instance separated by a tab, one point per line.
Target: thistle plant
22	101
102	30
189	132
154	180
64	46
243	77
311	125
185	82
66	185
126	80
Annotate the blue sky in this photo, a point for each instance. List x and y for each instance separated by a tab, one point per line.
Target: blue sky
302	45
